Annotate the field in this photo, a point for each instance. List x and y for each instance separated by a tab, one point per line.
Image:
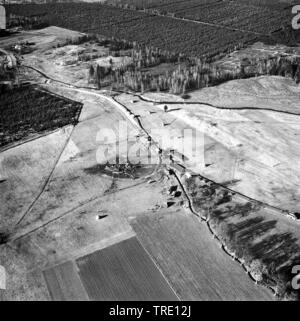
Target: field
240	132
194	29
270	247
191	259
29	111
166	33
83	217
123	271
157	4
64	283
141	4
234	14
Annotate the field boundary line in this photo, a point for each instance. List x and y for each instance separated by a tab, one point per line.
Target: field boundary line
94	247
158	268
18	144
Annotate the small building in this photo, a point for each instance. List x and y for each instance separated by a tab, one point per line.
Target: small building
2	18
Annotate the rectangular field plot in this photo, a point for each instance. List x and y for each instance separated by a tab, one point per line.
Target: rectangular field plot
64	283
123	271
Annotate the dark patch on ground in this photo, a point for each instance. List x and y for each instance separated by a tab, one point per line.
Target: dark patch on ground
4	237
121	171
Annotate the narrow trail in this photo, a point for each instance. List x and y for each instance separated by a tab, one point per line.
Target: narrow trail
46	182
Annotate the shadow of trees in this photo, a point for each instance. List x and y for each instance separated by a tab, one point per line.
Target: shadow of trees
256	239
252	238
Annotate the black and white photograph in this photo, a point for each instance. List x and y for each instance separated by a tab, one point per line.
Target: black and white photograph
150	152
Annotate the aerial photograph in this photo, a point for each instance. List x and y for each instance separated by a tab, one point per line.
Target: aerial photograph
150	151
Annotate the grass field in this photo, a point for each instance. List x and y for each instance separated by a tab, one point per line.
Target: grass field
27	111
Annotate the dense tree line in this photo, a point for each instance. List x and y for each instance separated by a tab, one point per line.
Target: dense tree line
187	73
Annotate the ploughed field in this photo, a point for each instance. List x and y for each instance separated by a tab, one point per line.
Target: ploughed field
167	33
123	271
